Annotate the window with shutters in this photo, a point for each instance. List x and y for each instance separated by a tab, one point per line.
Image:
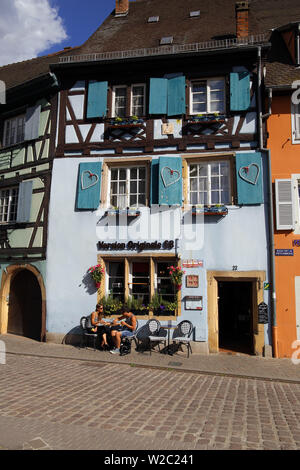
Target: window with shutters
207	96
128	186
8	204
122	106
209	182
14	130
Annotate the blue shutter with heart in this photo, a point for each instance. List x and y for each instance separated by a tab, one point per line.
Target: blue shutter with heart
249	178
170	181
88	186
239	91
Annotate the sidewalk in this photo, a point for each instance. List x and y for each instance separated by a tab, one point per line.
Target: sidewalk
215	364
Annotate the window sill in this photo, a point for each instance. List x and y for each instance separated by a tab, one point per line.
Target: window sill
206	119
129	212
126	123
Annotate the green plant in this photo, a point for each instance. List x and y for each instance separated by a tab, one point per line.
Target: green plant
135	304
134	118
118	119
111	305
155	302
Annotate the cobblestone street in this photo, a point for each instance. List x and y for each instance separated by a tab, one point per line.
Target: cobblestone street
69	404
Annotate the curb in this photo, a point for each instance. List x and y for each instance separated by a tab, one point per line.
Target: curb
166	368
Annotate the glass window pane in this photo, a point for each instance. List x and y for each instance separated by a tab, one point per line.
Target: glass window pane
122	174
215	182
133	173
114	174
133	187
142	173
215	197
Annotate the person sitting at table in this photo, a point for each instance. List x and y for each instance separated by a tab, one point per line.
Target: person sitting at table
100	326
127	329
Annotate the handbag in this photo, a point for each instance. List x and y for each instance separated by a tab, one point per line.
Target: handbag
125	347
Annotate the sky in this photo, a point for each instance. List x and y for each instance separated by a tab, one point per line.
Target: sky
31	28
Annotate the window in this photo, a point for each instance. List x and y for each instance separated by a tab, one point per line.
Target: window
8	204
296	123
119	101
128	187
164	287
207	96
140	286
14	130
138	100
209	182
116	280
120	105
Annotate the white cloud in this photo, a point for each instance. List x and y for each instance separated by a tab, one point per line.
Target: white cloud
27	28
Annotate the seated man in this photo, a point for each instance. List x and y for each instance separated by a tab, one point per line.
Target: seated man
127	329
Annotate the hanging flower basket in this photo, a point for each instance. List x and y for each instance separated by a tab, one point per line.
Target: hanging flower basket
97	273
176	274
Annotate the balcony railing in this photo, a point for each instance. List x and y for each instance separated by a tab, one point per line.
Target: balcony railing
167	50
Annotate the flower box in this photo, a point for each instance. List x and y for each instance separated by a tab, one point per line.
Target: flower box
121	123
206	119
129	212
210	210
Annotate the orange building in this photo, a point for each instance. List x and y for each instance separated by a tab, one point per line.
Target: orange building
283	126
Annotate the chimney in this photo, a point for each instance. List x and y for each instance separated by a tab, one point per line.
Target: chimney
122	7
242	19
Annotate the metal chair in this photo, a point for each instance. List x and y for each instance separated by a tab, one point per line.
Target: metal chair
86	333
184	331
155	330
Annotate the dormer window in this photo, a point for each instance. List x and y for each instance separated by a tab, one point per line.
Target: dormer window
166	40
153	19
194	14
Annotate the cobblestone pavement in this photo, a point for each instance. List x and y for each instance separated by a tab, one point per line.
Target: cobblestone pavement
47	403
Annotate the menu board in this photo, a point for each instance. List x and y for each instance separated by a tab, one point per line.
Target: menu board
193	302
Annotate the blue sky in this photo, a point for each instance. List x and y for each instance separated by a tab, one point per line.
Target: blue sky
31	28
80	19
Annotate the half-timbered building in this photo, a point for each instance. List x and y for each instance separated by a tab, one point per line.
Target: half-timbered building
160	162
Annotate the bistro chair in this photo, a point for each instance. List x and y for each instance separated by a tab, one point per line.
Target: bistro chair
182	335
87	334
155	336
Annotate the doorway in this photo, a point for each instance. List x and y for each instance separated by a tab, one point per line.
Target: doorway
25	306
235	312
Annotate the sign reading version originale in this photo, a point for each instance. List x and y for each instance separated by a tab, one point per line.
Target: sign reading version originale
136	246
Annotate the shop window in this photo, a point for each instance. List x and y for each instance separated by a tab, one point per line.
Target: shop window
140	286
209	183
116	281
164	287
207	96
8	204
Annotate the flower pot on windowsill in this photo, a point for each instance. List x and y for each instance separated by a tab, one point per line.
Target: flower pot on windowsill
206	119
121	123
97	284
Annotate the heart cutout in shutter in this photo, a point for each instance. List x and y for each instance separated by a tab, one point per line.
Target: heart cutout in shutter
169	176
251	178
84	183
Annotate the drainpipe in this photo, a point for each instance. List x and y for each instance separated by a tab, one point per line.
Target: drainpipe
270	196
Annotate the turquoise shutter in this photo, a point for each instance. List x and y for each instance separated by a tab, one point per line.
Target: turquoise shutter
24	201
176	96
158	96
97	100
249	178
239	91
170	181
32	122
88	186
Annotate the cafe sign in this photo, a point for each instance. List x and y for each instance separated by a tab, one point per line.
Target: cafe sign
136	246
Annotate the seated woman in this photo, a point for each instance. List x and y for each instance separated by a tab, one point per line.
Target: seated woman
100	325
127	329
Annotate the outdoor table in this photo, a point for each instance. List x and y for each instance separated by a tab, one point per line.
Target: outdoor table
170	326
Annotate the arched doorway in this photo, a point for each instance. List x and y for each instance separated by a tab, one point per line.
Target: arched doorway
25	305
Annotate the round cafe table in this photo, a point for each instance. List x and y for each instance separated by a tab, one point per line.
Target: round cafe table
169	326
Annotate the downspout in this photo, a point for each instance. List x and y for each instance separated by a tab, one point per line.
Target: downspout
270	197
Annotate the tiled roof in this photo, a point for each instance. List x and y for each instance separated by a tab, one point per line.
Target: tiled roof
217	19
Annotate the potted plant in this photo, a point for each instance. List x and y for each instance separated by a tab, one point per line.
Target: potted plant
97	273
176	274
136	306
111	305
